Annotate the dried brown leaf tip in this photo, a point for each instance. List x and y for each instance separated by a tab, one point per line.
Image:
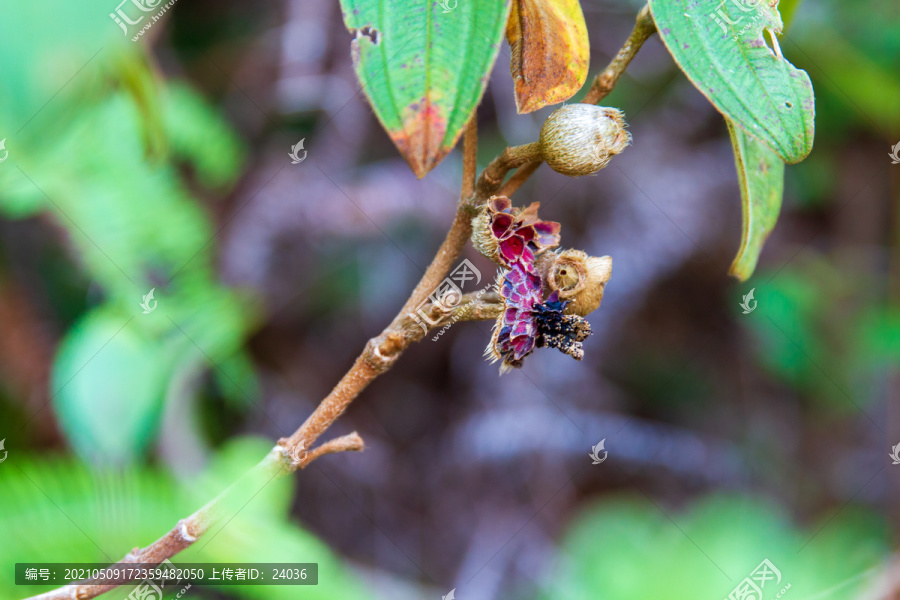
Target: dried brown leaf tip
548	41
545	293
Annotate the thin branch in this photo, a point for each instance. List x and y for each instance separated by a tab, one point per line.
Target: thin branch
351	442
519	177
492	177
277	463
382	351
478	306
470	157
604	83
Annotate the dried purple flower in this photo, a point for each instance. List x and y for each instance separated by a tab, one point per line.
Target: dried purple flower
518	240
527	325
515	332
506	234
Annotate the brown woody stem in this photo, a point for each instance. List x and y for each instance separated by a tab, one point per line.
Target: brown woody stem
513	157
470	157
351	442
283	459
292	453
604	83
519	177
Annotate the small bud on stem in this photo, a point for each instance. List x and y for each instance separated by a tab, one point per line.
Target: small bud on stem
579	139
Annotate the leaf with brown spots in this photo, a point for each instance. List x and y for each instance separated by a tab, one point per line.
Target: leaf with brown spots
423	65
550	51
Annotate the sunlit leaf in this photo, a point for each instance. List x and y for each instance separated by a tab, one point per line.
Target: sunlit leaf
550	51
424	67
724	49
761	176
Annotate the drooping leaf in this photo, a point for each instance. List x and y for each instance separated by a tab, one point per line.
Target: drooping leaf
723	48
761	176
550	51
424	66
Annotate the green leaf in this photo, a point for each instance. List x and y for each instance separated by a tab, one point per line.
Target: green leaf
761	175
723	48
424	68
108	383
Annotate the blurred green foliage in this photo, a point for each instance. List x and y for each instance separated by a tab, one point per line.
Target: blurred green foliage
60	510
853	50
118	157
629	548
826	332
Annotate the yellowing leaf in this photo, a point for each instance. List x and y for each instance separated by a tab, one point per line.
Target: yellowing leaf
550	51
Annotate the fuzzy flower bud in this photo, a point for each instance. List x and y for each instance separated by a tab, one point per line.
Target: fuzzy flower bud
579	139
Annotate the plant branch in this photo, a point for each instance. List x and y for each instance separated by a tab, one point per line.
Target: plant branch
381	351
470	157
351	442
282	460
188	530
604	83
519	177
492	177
